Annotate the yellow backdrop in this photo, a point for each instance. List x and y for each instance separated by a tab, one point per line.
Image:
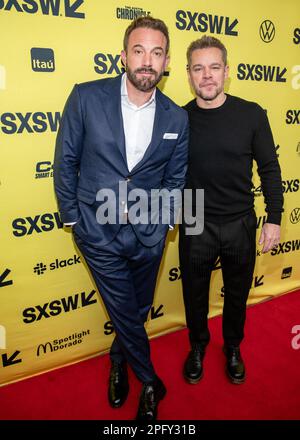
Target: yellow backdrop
50	311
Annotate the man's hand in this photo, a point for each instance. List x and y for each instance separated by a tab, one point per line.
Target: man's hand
269	237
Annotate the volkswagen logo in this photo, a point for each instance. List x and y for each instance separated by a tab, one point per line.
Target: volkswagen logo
295	216
267	31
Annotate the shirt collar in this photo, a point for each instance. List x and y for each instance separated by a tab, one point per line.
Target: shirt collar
124	94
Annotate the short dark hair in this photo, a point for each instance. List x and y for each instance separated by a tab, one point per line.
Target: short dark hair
204	43
150	23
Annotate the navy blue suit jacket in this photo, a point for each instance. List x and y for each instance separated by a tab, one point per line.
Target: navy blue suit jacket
90	155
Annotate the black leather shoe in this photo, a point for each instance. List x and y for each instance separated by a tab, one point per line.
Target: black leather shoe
193	366
151	394
118	384
235	367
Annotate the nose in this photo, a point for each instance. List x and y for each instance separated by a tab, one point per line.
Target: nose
206	72
147	59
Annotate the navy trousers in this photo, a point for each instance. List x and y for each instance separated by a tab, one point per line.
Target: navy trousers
235	243
125	273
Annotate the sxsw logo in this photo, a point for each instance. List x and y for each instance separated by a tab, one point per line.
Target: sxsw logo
2	78
286	247
42	60
2	337
200	22
39	223
43	169
58	306
108	64
66	8
37	122
296	38
131	13
3	278
40	268
292	117
288	186
259	72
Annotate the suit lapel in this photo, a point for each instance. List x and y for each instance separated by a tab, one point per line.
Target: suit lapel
112	109
161	122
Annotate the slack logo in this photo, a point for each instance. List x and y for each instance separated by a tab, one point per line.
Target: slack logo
42	60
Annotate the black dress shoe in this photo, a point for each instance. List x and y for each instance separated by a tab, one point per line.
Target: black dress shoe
193	366
151	394
235	367
118	384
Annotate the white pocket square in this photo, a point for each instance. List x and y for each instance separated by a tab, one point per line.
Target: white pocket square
170	136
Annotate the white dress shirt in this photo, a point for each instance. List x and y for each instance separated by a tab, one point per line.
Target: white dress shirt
138	125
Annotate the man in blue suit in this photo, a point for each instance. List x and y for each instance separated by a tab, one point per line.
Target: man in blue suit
121	133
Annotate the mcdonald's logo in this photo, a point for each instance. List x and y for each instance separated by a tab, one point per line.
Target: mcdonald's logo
295	216
267	31
44	347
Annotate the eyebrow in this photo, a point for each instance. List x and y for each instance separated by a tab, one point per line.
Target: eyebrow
155	48
201	65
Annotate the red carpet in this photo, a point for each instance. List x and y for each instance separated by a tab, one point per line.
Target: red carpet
271	391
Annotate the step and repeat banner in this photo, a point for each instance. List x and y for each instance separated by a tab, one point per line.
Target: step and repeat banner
50	311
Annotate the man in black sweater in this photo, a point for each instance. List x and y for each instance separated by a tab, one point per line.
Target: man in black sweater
226	134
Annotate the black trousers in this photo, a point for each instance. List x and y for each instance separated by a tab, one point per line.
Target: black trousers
235	243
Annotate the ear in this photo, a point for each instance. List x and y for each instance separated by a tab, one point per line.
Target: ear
167	61
226	72
123	57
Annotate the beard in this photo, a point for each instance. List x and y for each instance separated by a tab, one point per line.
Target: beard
145	83
208	96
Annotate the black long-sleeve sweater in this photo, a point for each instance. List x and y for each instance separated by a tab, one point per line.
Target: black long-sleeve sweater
223	143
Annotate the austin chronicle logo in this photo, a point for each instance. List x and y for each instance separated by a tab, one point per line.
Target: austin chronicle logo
267	31
295	216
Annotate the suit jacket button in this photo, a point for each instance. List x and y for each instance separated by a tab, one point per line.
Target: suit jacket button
128	179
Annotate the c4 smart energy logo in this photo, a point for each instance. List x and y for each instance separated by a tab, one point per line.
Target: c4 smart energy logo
267	31
43	169
201	22
62	8
42	59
